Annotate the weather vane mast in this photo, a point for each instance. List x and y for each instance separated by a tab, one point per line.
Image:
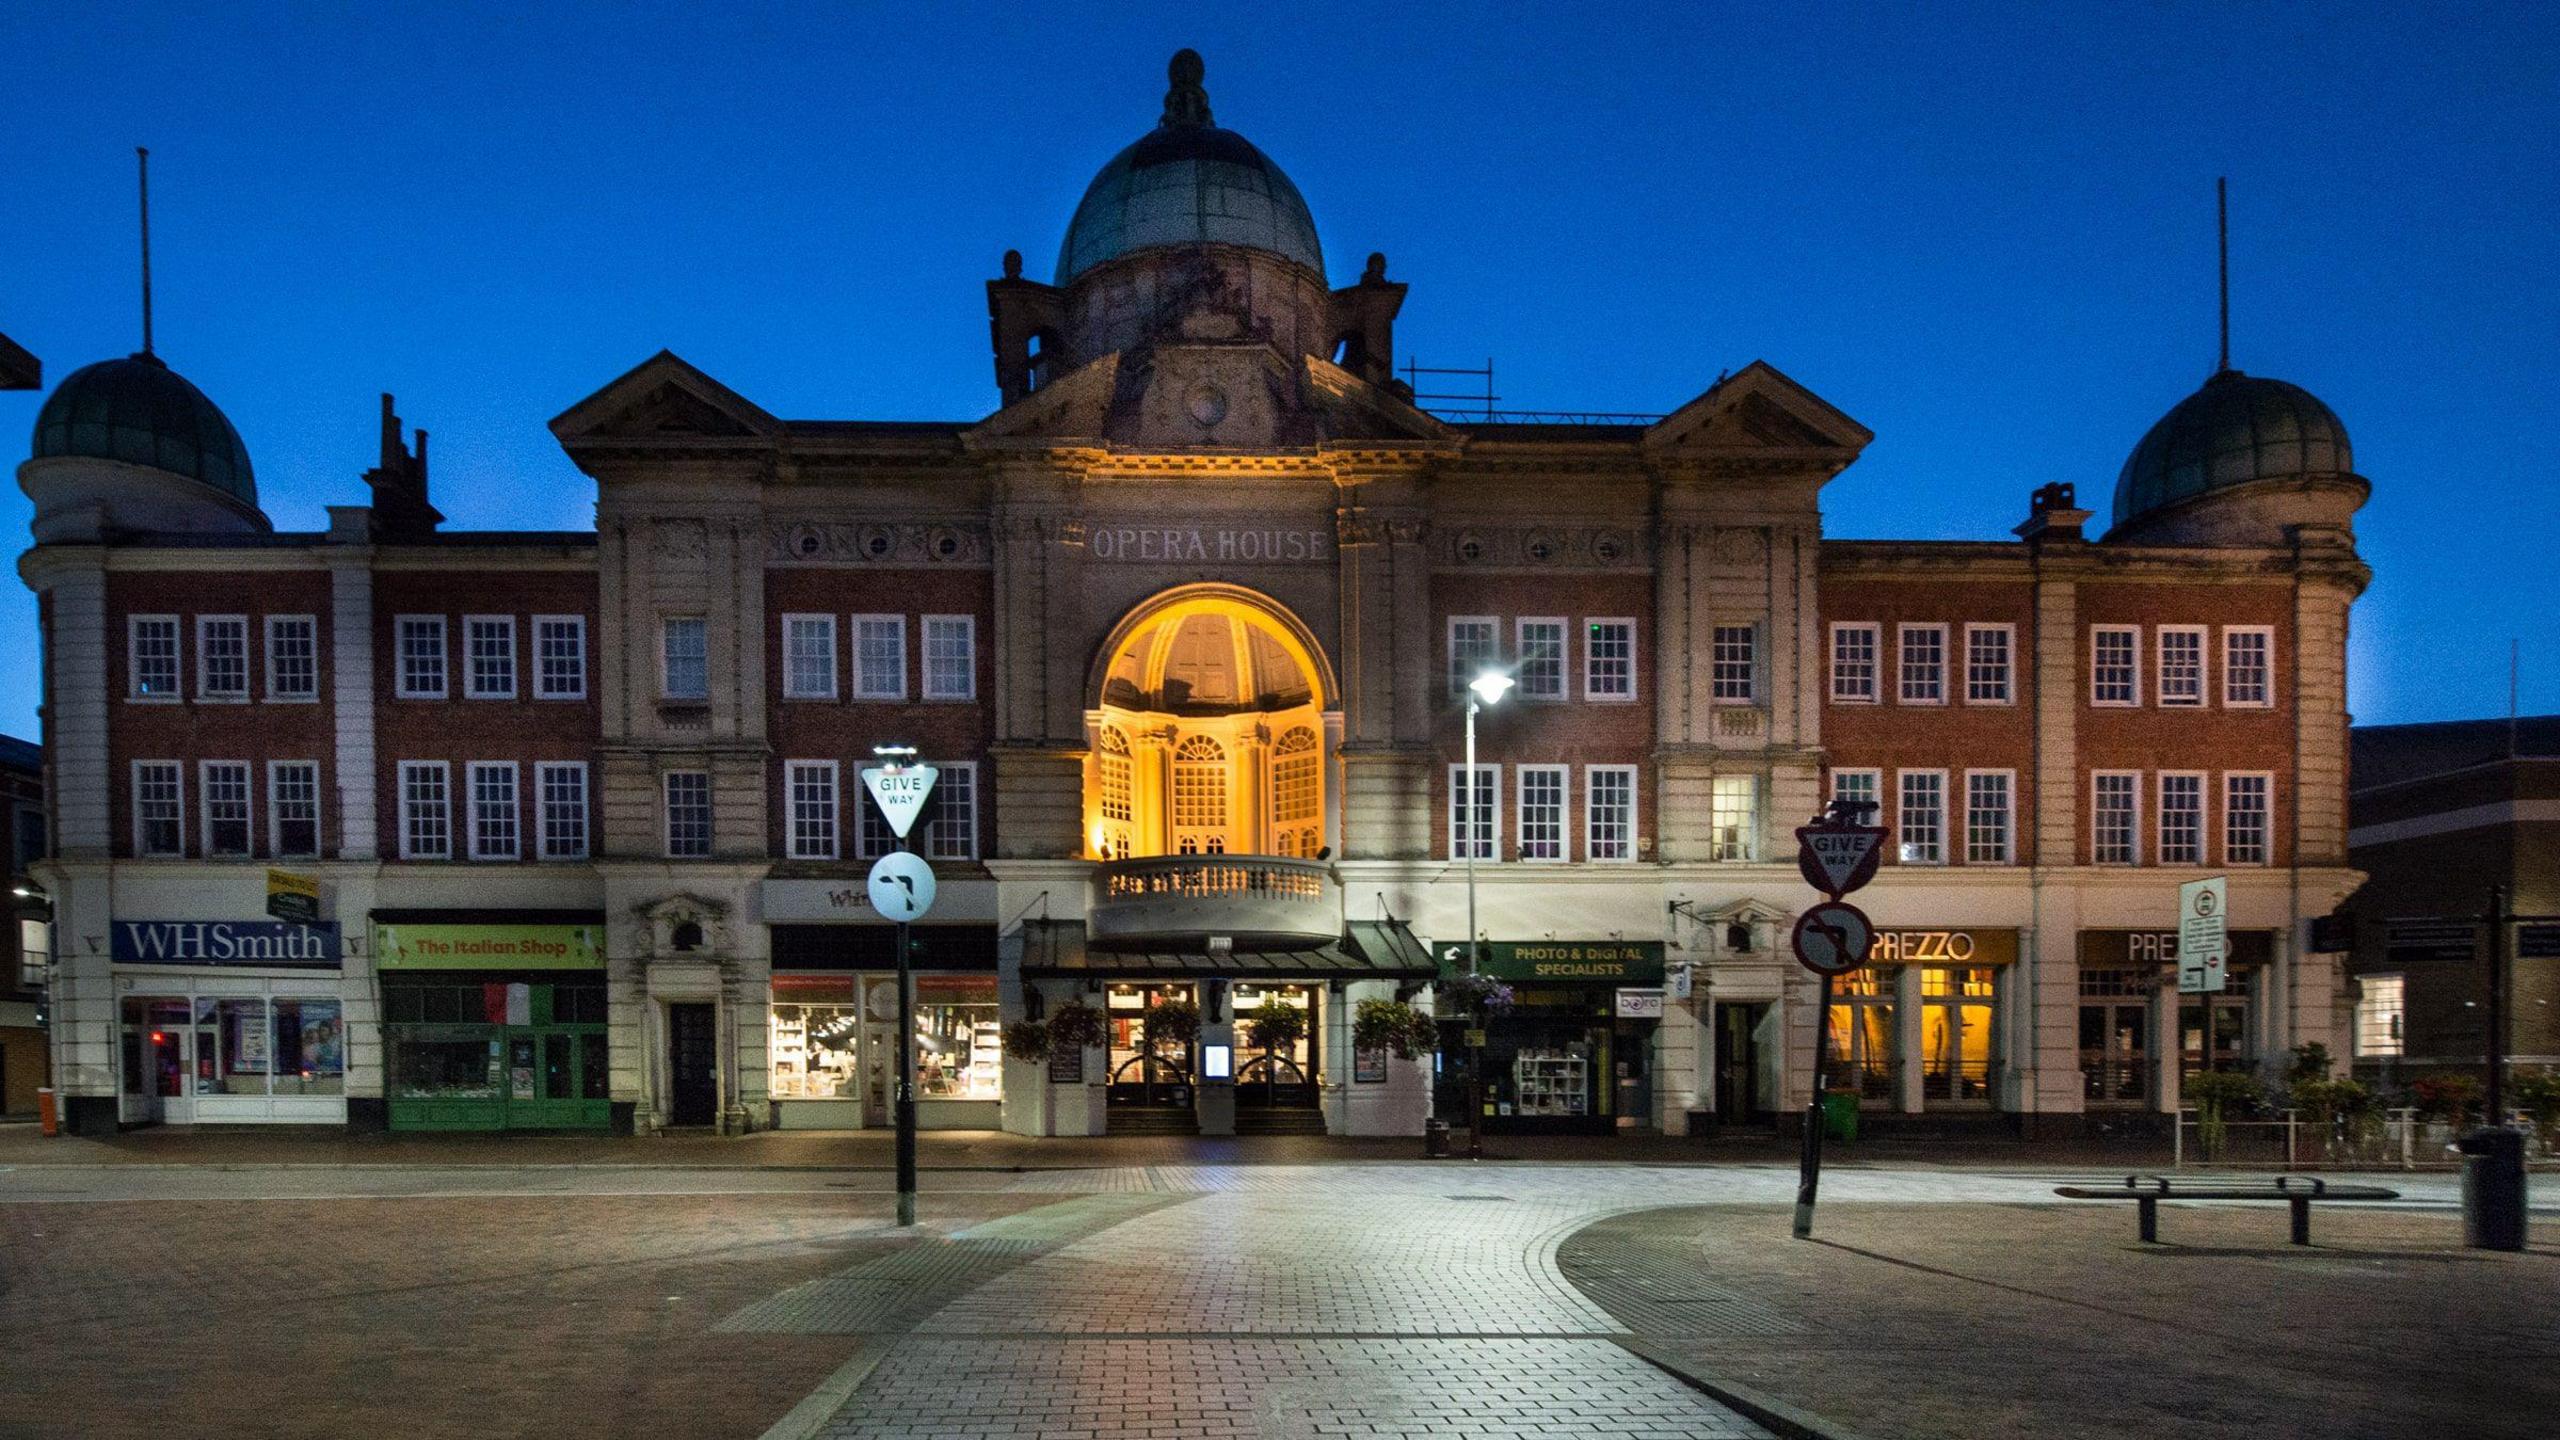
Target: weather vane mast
142	158
2222	239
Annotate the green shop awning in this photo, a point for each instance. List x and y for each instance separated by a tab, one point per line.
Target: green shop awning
1368	950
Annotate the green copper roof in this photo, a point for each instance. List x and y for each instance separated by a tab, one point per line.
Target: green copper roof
2238	428
139	410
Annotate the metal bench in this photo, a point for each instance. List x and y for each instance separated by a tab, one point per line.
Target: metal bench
2297	1191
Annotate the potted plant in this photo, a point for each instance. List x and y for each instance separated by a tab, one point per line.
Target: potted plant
1476	995
1027	1040
2536	1095
1277	1026
1402	1030
2216	1093
1075	1027
2339	1112
2447	1095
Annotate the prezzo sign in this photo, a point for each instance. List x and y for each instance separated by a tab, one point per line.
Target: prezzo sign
1944	947
226	942
1223	544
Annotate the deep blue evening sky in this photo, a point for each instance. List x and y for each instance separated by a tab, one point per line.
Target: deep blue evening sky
1987	233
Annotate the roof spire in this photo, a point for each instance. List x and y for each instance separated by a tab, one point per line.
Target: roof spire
1186	102
142	158
2222	236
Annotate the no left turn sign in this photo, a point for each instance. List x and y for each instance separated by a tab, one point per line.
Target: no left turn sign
1833	938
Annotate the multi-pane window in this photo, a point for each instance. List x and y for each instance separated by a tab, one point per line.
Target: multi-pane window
1861	787
951	814
2182	665
560	657
2181	818
1474	642
1542	812
1542	659
1733	818
951	657
1987	810
293	657
2115	828
872	837
684	657
561	789
1853	664
1112	761
225	791
1297	792
152	654
159	808
495	810
809	657
880	657
2381	1011
1199	796
489	657
421	657
1609	812
809	791
1734	662
688	814
222	657
1923	668
1923	838
1609	660
293	807
426	810
2248	667
1987	664
2247	808
1475	805
2115	665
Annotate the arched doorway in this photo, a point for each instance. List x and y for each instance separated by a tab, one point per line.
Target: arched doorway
1210	731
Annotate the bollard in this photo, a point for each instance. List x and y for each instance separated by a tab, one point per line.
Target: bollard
1435	1139
2493	1189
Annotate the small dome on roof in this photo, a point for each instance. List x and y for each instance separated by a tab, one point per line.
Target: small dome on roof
1188	182
140	411
2237	429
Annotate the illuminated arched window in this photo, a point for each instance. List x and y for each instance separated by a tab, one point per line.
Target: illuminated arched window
1296	794
1199	796
1114	761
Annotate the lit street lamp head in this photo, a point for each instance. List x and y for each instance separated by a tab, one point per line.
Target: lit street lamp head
1490	686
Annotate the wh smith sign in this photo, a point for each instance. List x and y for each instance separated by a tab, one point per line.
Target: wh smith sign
275	943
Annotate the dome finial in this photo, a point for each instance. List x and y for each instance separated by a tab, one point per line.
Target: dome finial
1186	103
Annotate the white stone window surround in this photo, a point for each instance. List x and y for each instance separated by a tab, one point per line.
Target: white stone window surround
950	658
1609	814
2242	670
293	797
811	810
1734	664
224	788
1544	804
1609	659
159	796
420	658
2249	794
950	819
1979	817
2180	647
808	656
2181	826
2115	667
1857	662
1920	819
426	809
684	658
222	659
562	800
2115	805
1920	662
496	795
1475	644
559	657
687	797
880	657
488	657
154	669
293	659
1543	644
1990	663
1486	791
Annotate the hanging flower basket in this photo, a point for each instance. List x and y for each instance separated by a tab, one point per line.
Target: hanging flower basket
1077	1026
1175	1022
1395	1027
1027	1040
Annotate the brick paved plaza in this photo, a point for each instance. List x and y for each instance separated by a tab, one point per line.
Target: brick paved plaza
1201	1297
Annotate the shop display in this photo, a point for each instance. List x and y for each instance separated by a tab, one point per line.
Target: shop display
814	1052
1550	1082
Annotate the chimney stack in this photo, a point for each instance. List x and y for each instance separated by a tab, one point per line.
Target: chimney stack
2053	514
399	485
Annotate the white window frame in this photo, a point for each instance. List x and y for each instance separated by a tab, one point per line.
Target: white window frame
1563	821
968	691
1720	689
1590	670
834	844
2133	667
1902	633
1460	676
2368	998
1563	629
248	810
666	656
543	689
667	804
2266	819
866	686
2008	818
2008	634
2133	825
1902	811
2203	637
471	687
275	810
1750	846
133	690
471	774
792	689
401	689
935	816
543	770
205	694
1594	844
2267	633
1875	788
276	693
1874	634
406	812
1458	779
178	801
2203	812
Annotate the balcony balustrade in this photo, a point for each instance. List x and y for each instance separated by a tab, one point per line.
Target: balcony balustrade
1261	902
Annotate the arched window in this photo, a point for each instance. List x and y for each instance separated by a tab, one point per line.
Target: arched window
1296	794
1114	763
1199	796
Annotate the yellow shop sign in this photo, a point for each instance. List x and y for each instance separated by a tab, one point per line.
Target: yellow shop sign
488	947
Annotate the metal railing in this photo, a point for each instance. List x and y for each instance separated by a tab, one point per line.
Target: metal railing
2392	1140
1211	877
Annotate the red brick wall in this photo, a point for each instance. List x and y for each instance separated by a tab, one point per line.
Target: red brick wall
191	730
1573	732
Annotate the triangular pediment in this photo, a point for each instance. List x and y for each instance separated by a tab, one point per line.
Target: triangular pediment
664	398
1757	409
1073	406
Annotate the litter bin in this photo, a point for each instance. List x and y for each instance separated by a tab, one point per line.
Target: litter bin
1840	1114
1435	1139
2493	1189
48	1114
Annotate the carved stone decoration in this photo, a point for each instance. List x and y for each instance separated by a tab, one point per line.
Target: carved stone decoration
685	927
1579	546
1350	530
1407	532
815	542
1740	547
679	540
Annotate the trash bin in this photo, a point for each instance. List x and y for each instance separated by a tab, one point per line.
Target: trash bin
48	1114
1840	1114
1435	1139
2493	1189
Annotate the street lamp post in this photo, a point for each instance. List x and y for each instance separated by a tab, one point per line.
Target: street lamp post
1487	688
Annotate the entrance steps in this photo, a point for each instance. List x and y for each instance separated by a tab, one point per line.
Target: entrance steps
1151	1120
1288	1120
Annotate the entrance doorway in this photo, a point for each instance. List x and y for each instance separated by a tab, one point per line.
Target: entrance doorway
1154	1075
1282	1077
1738	1095
693	1094
159	1082
2115	1063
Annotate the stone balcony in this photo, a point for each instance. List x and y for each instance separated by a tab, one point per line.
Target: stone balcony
1258	902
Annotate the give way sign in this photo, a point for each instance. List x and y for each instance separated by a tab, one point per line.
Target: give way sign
1837	859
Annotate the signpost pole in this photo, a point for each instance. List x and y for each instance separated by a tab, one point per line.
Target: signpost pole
1809	1169
906	1102
2497	1047
1836	854
902	887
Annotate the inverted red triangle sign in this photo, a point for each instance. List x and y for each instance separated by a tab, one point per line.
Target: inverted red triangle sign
1837	859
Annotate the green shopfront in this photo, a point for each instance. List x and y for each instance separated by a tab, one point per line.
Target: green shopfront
494	1020
1574	1053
